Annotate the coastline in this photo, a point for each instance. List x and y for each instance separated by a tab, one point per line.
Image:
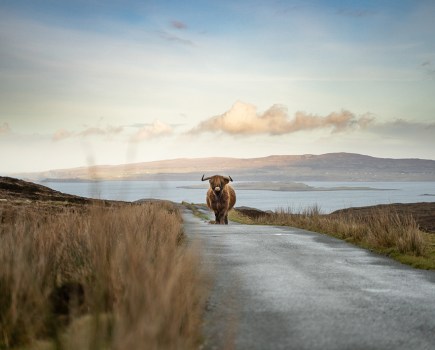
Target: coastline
290	187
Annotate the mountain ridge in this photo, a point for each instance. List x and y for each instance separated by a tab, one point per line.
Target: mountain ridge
307	167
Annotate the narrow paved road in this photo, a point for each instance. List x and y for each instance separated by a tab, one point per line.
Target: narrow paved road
286	288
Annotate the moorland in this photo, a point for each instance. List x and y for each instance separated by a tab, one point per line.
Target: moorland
77	273
86	273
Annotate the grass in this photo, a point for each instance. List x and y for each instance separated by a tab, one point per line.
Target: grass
98	278
195	211
383	231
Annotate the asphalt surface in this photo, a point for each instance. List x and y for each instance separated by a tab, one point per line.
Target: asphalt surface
286	288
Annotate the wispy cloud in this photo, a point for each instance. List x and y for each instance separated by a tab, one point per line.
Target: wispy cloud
175	38
243	119
357	13
405	129
108	131
62	134
178	25
5	129
428	68
134	133
156	129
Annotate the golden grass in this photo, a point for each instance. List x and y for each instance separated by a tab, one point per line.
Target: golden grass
384	231
117	277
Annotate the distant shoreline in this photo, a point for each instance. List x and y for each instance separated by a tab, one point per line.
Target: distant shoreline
68	180
291	187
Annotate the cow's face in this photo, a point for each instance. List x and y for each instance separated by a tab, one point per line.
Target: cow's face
217	184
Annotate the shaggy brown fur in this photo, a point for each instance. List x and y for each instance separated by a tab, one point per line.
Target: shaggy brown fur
220	197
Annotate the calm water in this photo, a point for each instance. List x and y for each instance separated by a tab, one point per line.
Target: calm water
398	192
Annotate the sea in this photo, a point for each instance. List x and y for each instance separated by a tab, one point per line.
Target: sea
326	200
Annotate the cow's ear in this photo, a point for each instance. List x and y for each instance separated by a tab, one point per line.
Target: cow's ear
226	180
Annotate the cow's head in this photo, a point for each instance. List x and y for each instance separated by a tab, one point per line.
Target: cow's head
217	183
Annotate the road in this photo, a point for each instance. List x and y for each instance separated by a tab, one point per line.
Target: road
286	288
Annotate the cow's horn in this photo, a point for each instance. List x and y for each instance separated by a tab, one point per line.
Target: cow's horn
207	178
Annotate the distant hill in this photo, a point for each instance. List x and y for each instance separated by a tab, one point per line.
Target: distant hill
325	167
12	189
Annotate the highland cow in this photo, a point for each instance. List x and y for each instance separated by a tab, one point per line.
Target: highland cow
220	197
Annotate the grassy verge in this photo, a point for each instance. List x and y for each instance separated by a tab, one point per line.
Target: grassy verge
98	278
384	231
195	211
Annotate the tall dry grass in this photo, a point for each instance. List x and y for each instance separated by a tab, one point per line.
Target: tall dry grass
118	278
382	229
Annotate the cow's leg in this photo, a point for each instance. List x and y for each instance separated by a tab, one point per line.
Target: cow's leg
220	218
226	219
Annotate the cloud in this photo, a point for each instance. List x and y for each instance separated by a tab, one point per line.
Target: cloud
108	131
5	129
174	38
355	13
61	134
428	68
404	129
178	25
141	131
156	129
243	119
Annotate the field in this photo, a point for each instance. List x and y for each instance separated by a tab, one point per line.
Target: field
88	274
80	273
